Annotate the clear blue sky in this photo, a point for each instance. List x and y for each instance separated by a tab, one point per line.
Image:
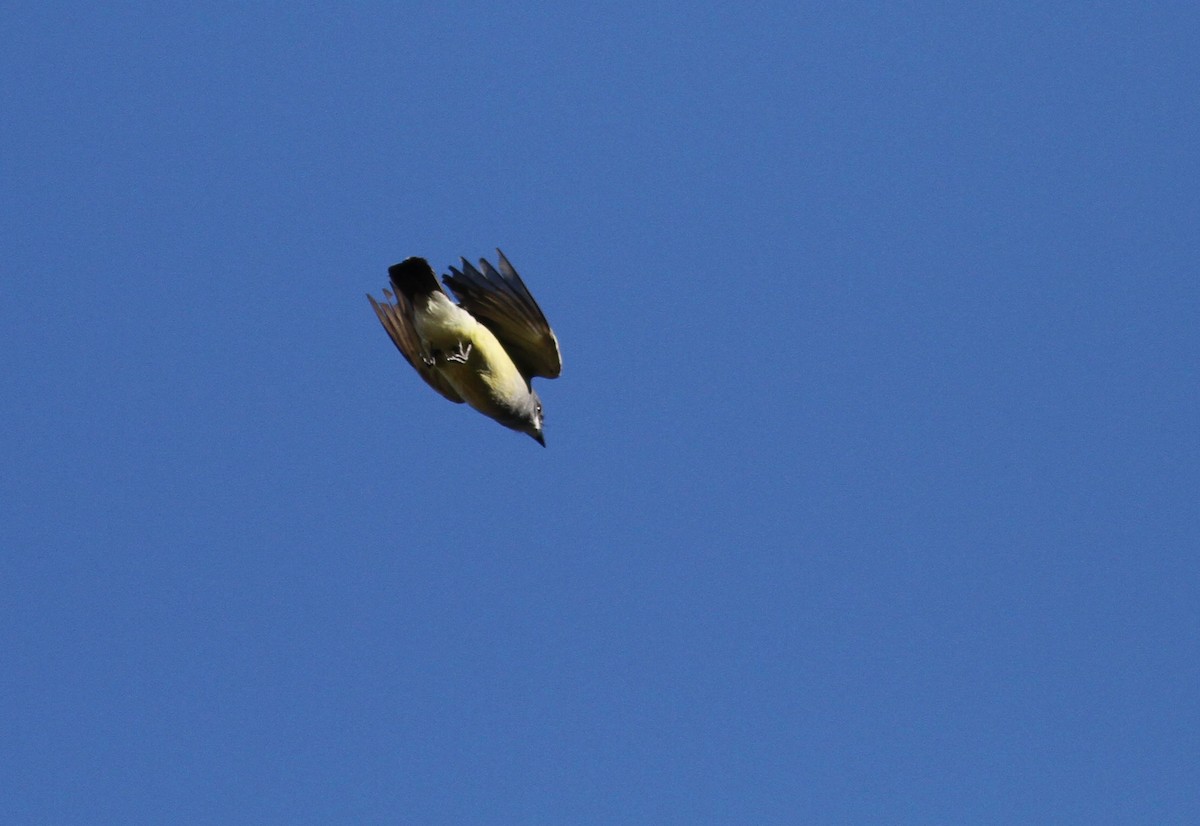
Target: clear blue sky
870	493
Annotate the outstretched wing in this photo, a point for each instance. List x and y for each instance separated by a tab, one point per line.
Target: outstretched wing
502	303
397	320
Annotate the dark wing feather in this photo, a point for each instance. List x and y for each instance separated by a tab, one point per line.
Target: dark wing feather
502	303
397	320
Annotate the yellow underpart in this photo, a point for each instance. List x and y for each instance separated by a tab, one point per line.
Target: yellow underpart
488	379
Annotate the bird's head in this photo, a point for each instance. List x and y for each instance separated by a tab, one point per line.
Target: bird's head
523	415
527	418
534	420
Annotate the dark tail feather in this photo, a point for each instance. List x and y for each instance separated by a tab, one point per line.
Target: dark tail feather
414	276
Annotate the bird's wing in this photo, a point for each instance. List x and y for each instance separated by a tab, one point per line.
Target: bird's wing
397	320
502	303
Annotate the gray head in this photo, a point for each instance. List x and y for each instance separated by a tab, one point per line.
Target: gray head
533	419
523	414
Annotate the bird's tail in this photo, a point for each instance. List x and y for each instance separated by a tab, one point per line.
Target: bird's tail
413	276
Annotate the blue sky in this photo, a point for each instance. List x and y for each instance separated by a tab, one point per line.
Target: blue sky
870	490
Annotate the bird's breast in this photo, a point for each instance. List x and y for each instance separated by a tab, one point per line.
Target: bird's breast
487	380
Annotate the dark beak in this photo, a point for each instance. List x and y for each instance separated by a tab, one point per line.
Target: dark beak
539	438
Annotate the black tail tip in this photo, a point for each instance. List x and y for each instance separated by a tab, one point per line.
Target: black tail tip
413	265
413	275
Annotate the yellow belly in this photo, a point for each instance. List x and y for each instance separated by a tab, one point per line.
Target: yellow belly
488	377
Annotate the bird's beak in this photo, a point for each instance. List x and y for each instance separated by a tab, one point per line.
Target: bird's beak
540	439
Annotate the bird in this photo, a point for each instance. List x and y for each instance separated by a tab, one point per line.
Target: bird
486	349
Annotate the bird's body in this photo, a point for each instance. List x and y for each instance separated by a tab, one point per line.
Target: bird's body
487	376
483	351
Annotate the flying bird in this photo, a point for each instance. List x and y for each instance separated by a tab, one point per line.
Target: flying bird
485	349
